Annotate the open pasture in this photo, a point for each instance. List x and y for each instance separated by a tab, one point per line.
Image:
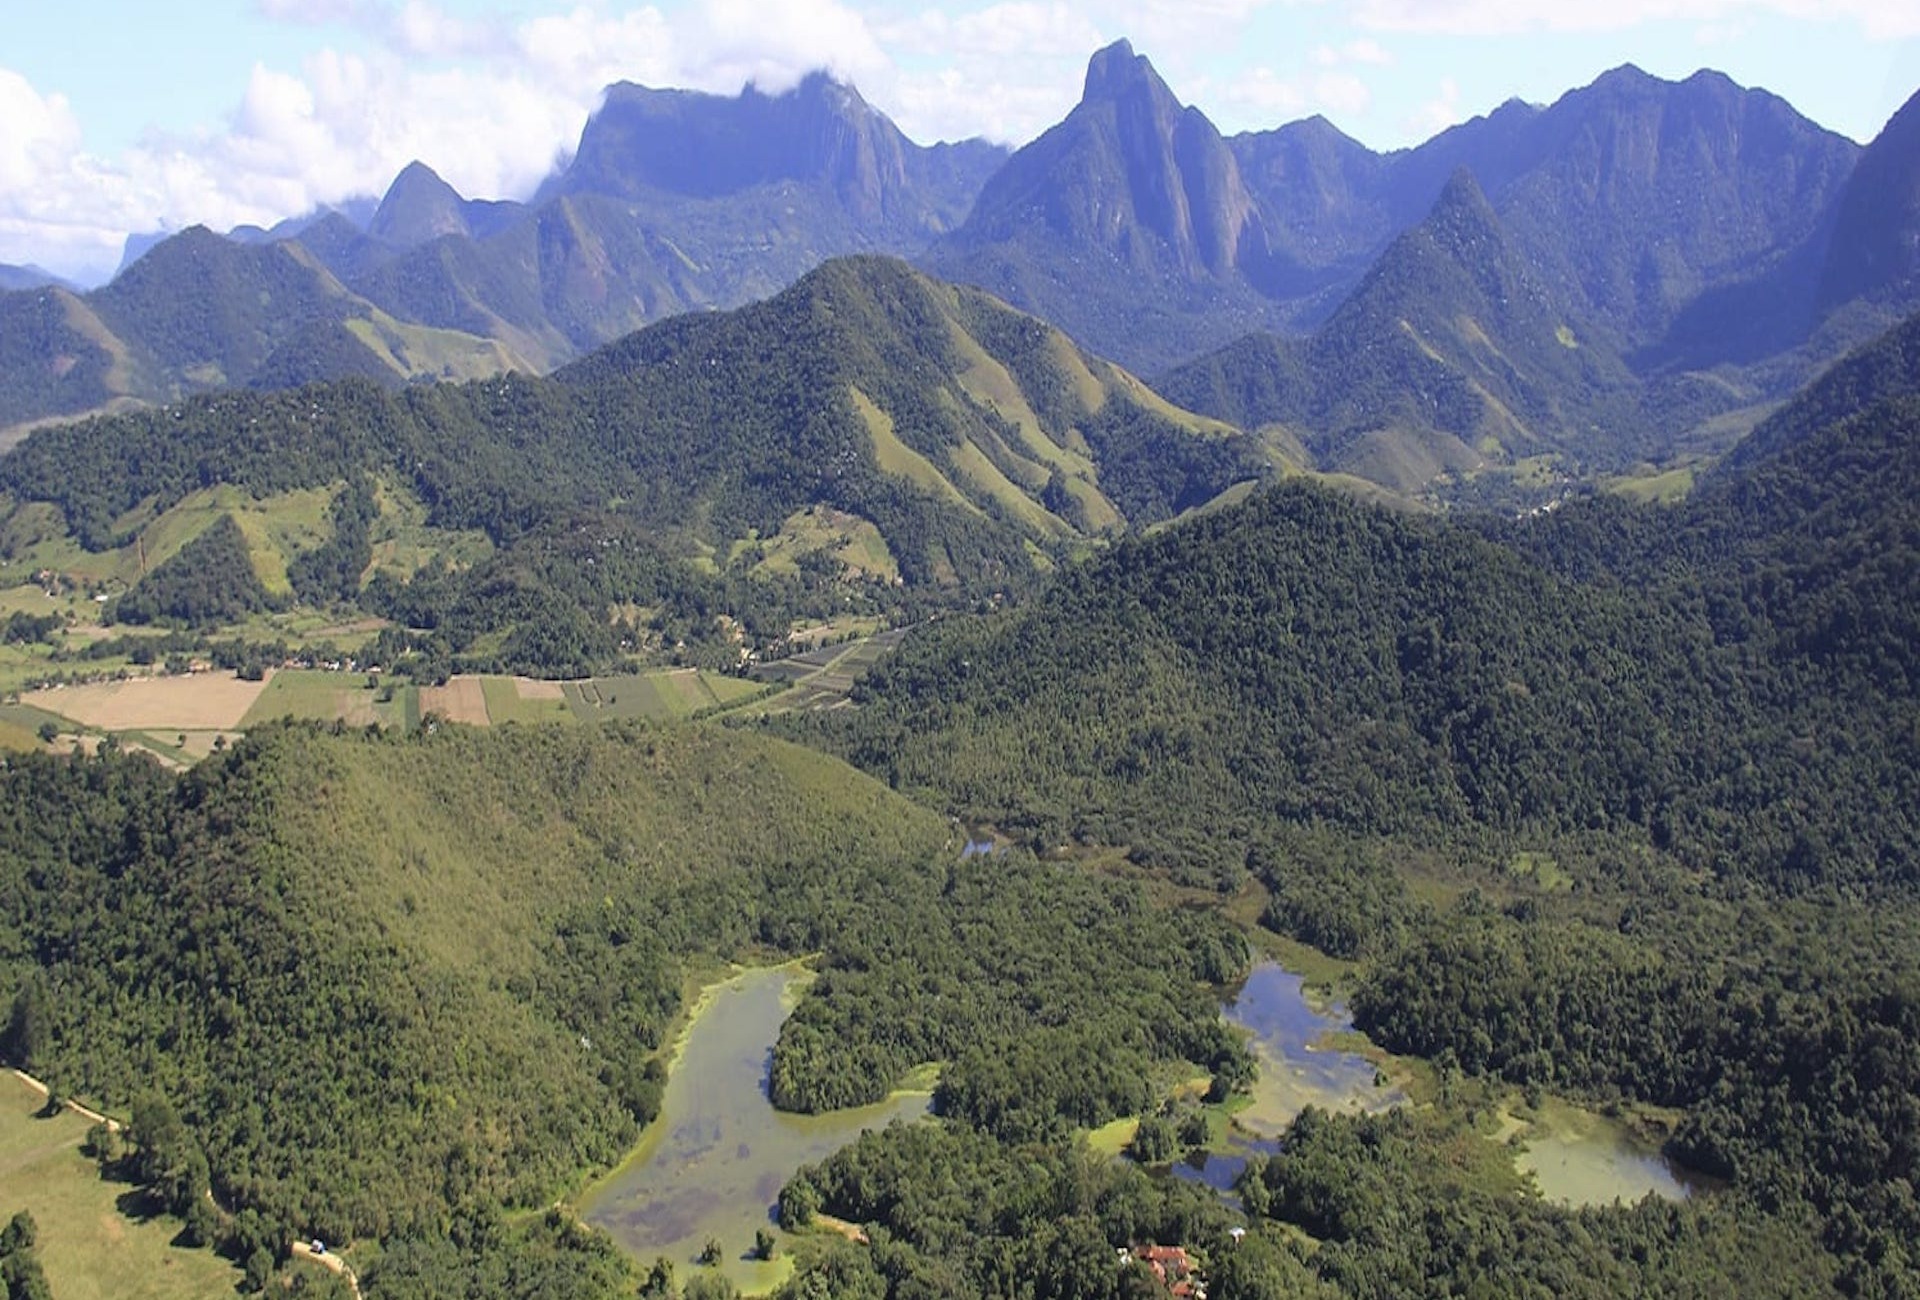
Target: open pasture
525	700
670	693
317	696
194	702
88	1247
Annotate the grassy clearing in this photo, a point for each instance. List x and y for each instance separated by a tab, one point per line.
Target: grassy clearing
848	538
1542	869
522	700
896	458
318	696
987	477
668	693
1663	487
89	1248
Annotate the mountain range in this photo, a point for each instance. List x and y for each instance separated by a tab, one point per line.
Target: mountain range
1631	275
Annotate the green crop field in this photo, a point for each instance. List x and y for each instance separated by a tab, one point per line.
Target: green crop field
669	693
320	696
507	703
89	1248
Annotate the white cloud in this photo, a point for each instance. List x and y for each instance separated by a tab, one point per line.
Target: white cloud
1438	113
1880	19
1263	98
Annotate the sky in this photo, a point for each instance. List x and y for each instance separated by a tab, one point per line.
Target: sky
125	116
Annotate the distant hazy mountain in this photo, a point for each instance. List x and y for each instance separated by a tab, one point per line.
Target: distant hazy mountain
675	200
16	278
1875	249
1129	224
419	206
200	312
1452	354
644	142
1135	227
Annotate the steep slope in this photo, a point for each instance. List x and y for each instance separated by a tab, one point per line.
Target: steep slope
965	411
199	312
57	357
673	201
1451	355
417	207
971	444
1630	197
1128	223
1733	677
1635	194
643	141
1875	248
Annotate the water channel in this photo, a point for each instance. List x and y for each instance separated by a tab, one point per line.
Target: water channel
713	1163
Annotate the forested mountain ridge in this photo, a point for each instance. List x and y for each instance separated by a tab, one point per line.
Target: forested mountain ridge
1704	715
388	990
1731	649
937	442
201	313
1451	356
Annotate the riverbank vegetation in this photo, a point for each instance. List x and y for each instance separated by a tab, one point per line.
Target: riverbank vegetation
365	987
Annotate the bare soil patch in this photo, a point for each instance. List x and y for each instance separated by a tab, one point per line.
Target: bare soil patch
195	702
460	700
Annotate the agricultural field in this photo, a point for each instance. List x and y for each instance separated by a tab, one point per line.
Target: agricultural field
182	718
193	702
90	1248
823	678
525	700
670	693
319	696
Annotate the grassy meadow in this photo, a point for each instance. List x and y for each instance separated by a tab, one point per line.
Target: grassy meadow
90	1248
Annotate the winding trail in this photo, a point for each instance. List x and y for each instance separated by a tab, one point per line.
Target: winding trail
302	1250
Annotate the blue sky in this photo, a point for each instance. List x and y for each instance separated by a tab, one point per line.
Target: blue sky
121	115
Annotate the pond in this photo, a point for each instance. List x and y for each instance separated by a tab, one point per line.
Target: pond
713	1163
1579	1158
1298	1067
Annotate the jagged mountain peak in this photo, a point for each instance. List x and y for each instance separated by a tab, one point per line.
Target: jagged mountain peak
1116	69
418	206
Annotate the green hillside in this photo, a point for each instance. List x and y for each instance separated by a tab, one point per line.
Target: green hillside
200	313
1451	360
391	985
629	500
1701	717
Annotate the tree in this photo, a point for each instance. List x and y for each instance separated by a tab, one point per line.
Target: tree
103	1144
259	1270
763	1244
21	1233
711	1253
1153	1142
29	1031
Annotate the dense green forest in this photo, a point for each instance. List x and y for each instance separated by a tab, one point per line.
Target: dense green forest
1611	802
361	986
979	444
1614	801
